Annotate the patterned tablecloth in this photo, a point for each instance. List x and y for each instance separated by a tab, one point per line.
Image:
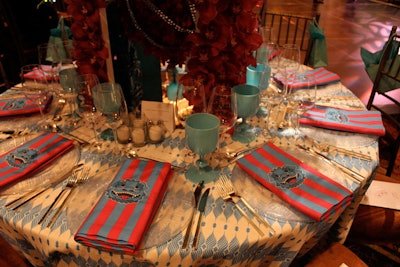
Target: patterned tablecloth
226	239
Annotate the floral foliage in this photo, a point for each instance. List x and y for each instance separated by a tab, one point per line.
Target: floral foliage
90	51
217	51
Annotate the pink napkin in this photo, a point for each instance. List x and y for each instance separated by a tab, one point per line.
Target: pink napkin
28	158
322	77
22	105
40	75
124	212
300	185
357	121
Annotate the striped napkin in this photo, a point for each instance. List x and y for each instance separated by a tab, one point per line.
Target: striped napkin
357	121
300	185
32	156
124	212
22	105
322	77
40	75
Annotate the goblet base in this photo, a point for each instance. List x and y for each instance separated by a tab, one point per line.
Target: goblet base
245	133
196	174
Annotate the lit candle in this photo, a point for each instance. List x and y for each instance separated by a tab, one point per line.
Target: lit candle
123	134
155	133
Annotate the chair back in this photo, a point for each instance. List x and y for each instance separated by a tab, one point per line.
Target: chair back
291	29
4	84
387	79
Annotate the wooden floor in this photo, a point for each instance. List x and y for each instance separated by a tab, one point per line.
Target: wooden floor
343	45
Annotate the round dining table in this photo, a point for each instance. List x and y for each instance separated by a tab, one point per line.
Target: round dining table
226	238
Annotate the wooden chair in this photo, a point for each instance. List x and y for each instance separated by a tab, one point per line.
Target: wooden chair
4	84
290	29
387	79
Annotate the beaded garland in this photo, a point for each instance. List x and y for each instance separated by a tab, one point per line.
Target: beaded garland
152	7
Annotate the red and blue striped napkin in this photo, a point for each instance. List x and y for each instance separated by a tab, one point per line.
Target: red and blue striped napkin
124	212
357	121
322	77
298	184
41	74
23	105
32	156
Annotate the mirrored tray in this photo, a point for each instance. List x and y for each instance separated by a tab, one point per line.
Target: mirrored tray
170	220
58	168
349	140
270	205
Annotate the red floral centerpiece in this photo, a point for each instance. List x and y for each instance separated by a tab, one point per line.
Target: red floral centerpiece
215	38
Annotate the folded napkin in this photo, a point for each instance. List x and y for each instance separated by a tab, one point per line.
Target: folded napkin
322	77
357	121
32	156
300	185
40	75
22	105
124	212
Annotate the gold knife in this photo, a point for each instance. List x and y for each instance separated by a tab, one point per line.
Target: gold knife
201	208
197	193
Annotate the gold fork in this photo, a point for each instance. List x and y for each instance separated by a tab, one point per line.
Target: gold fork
327	148
79	179
233	193
224	194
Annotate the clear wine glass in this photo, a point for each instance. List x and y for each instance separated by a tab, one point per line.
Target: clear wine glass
34	87
70	90
220	105
85	104
110	101
190	99
246	99
201	135
303	99
289	65
50	63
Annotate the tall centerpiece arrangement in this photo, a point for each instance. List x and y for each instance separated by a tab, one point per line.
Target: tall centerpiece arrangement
214	38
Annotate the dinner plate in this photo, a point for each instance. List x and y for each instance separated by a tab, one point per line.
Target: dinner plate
170	220
270	205
58	168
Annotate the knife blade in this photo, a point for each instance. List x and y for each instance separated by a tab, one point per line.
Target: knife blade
200	208
197	193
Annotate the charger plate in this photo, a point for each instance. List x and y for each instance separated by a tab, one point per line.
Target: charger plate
58	168
267	203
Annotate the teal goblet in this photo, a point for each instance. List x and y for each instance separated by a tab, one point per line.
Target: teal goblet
246	100
201	134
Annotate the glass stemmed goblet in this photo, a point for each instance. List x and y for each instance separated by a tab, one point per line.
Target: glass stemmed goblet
70	90
190	99
289	65
220	105
201	135
246	102
110	101
50	63
34	87
85	104
303	99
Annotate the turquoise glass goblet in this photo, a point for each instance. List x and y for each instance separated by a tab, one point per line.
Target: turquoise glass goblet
246	99
201	134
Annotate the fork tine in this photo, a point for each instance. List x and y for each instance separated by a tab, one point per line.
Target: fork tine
233	192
